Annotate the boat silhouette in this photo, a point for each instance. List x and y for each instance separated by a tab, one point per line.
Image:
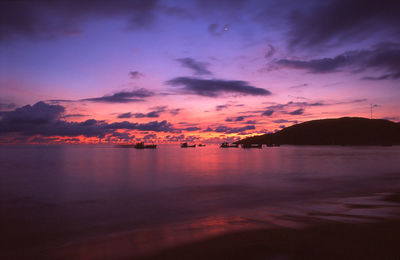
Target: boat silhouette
249	145
273	145
185	145
141	145
227	145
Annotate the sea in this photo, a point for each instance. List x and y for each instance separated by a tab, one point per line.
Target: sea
108	202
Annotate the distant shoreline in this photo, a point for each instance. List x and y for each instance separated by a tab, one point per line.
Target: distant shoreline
345	131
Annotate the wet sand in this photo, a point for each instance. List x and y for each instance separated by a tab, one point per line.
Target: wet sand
369	229
378	238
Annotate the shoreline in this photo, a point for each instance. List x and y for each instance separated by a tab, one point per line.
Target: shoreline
365	232
378	240
329	239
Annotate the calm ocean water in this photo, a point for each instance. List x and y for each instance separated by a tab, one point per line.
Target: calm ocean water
93	202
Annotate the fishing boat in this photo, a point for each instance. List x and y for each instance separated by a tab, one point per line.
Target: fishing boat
227	145
141	145
185	145
247	145
273	145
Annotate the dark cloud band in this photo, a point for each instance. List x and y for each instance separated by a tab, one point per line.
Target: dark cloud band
45	120
124	96
215	87
381	57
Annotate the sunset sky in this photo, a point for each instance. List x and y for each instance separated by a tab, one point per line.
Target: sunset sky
197	71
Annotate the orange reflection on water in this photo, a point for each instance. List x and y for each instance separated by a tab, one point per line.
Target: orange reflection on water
150	240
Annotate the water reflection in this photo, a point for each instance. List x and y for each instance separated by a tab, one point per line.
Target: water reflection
107	197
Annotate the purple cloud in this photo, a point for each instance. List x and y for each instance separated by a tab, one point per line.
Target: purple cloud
215	87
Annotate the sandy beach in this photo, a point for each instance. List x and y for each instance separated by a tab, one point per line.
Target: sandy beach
328	241
370	233
320	240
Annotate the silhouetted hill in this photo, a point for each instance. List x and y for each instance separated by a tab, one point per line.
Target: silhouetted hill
339	131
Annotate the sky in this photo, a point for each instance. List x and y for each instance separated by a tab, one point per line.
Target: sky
192	71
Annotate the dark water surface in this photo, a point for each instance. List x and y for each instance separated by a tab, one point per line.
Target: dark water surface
104	202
